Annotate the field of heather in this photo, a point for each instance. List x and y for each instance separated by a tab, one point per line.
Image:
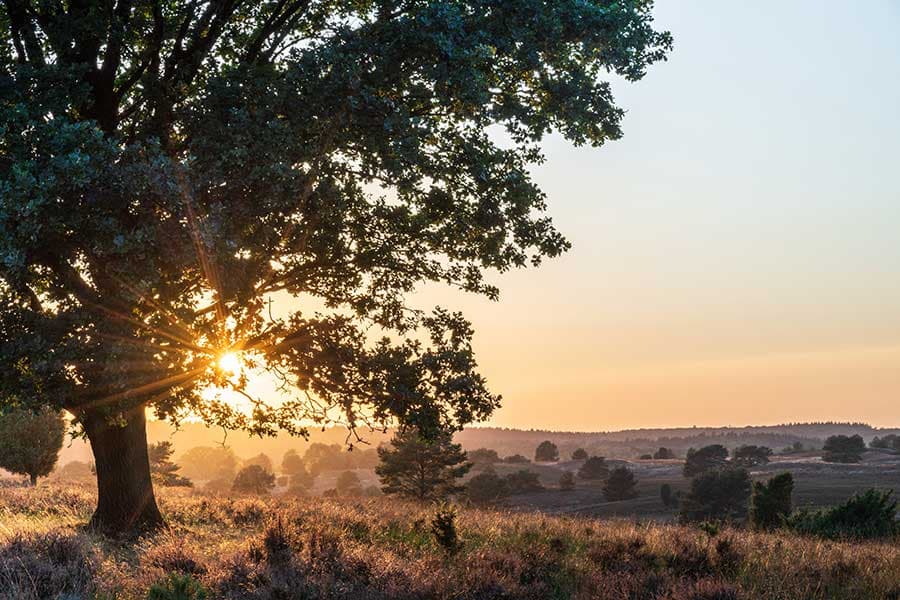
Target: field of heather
379	548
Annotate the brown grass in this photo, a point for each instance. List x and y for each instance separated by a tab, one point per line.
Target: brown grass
383	548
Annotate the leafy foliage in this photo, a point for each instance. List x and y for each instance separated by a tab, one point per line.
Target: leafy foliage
620	485
422	469
717	495
546	451
843	449
710	457
872	514
30	441
253	479
163	470
770	504
594	468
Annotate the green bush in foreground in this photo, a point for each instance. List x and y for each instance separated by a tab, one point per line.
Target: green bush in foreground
870	515
177	587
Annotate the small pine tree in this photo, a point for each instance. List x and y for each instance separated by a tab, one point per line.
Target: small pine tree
567	482
30	441
421	469
443	528
546	452
163	471
594	468
620	485
177	587
770	504
253	479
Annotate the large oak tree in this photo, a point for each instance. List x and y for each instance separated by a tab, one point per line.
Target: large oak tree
167	167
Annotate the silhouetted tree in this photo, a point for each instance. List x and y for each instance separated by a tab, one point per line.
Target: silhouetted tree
168	166
594	468
523	482
262	460
579	454
30	441
348	484
253	479
717	494
890	441
486	487
163	470
751	456
620	485
292	463
705	459
663	453
567	481
546	452
770	504
665	494
422	469
843	449
645	457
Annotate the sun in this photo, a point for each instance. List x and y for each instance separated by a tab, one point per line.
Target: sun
230	364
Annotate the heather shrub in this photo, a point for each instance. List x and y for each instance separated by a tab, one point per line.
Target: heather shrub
870	515
177	587
49	565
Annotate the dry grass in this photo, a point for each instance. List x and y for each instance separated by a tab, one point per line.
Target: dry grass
320	548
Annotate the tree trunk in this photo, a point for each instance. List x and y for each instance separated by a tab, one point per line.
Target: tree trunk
33	480
125	501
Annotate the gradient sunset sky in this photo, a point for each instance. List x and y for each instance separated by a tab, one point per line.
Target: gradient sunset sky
736	257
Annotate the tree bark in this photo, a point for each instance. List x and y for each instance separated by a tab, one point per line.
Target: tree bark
125	500
33	480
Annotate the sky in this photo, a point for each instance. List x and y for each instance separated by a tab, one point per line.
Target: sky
735	256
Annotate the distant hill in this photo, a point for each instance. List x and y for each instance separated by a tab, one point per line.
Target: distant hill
615	444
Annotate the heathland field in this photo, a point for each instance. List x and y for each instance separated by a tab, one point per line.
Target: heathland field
379	548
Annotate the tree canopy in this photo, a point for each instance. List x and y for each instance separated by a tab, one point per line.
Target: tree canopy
546	451
167	168
422	469
30	441
714	456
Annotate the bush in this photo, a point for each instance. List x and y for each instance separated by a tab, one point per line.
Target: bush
516	459
869	515
567	482
580	454
843	449
665	494
645	457
620	485
177	587
546	452
486	487
717	495
594	468
770	504
253	479
751	456
705	459
663	452
483	456
522	482
49	565
443	528
348	484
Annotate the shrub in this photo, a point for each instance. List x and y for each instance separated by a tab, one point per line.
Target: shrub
30	441
717	495
751	456
843	449
253	480
594	468
546	452
177	587
580	454
522	482
483	456
705	459
663	452
869	515
443	528
50	565
645	457
620	485
516	459
348	484
567	482
889	442
665	494
486	487
770	504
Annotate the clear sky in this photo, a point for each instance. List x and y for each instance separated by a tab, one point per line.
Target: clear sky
736	256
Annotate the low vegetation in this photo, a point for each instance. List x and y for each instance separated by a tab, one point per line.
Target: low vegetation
387	548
